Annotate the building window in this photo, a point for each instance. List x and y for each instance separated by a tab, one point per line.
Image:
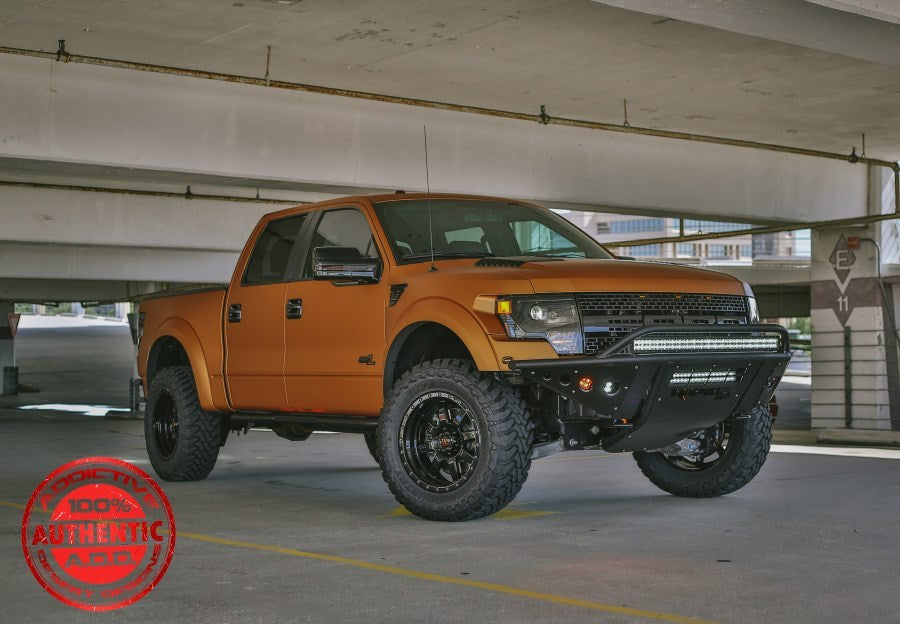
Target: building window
644	251
697	225
602	227
635	225
685	249
716	251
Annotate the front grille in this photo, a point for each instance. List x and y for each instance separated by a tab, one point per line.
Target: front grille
608	317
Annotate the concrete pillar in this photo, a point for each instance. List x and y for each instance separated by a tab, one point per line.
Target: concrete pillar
854	346
7	352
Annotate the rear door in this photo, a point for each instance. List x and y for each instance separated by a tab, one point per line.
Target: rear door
334	339
254	319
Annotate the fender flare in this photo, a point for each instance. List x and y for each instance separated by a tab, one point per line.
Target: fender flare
181	331
454	317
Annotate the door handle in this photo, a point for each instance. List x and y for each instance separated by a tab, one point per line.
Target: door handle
234	313
294	308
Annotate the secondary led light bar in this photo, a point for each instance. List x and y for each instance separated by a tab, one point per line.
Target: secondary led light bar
673	343
713	376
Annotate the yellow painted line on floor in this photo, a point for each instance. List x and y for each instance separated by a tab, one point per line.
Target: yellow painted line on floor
439	578
508	513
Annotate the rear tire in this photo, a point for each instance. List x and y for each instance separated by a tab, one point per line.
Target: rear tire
182	440
454	444
734	452
372	445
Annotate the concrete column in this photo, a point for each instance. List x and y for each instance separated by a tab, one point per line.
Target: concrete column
7	352
854	347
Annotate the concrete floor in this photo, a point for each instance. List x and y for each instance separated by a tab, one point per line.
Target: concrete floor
812	539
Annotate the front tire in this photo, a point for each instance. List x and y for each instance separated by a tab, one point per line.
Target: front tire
731	454
182	440
454	444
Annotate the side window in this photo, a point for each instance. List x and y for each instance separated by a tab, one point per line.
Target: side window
269	259
344	227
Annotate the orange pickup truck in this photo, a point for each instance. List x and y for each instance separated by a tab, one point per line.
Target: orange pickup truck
464	337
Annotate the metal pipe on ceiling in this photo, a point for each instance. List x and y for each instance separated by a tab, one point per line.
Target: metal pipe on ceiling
186	195
542	117
788	227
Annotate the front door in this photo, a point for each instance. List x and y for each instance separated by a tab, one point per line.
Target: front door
254	320
335	342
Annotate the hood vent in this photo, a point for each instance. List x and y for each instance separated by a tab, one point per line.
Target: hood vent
512	261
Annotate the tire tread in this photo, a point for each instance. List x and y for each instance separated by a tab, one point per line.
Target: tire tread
740	465
511	435
199	433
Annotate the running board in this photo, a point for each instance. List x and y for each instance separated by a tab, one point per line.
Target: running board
317	422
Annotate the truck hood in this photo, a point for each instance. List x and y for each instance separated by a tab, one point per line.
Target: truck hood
511	276
575	275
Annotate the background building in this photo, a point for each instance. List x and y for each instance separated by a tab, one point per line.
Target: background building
744	249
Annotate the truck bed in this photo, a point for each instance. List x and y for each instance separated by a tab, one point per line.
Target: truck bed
194	319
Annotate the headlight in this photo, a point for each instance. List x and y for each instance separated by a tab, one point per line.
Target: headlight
552	318
752	310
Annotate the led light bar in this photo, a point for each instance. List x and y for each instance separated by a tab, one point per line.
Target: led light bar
711	376
673	343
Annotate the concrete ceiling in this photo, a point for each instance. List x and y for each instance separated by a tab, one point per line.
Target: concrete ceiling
814	75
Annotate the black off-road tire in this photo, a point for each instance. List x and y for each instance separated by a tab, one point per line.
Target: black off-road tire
497	415
372	445
748	441
182	440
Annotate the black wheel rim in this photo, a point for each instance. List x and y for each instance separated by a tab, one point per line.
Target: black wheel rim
165	425
439	442
713	443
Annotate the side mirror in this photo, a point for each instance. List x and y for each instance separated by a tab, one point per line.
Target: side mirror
344	263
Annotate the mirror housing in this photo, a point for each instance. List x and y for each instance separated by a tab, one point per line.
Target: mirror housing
344	263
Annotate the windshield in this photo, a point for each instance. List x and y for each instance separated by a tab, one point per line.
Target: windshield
462	228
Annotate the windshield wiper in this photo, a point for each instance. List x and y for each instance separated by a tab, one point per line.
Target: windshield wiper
447	254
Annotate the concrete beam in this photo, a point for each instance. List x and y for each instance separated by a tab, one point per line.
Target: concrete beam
766	274
97	115
37	215
78	262
862	29
56	290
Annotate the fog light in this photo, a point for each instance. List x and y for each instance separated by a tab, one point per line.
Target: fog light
611	387
585	383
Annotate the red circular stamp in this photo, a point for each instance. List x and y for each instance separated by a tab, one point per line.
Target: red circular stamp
98	533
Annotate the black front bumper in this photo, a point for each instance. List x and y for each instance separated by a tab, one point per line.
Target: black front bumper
660	398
